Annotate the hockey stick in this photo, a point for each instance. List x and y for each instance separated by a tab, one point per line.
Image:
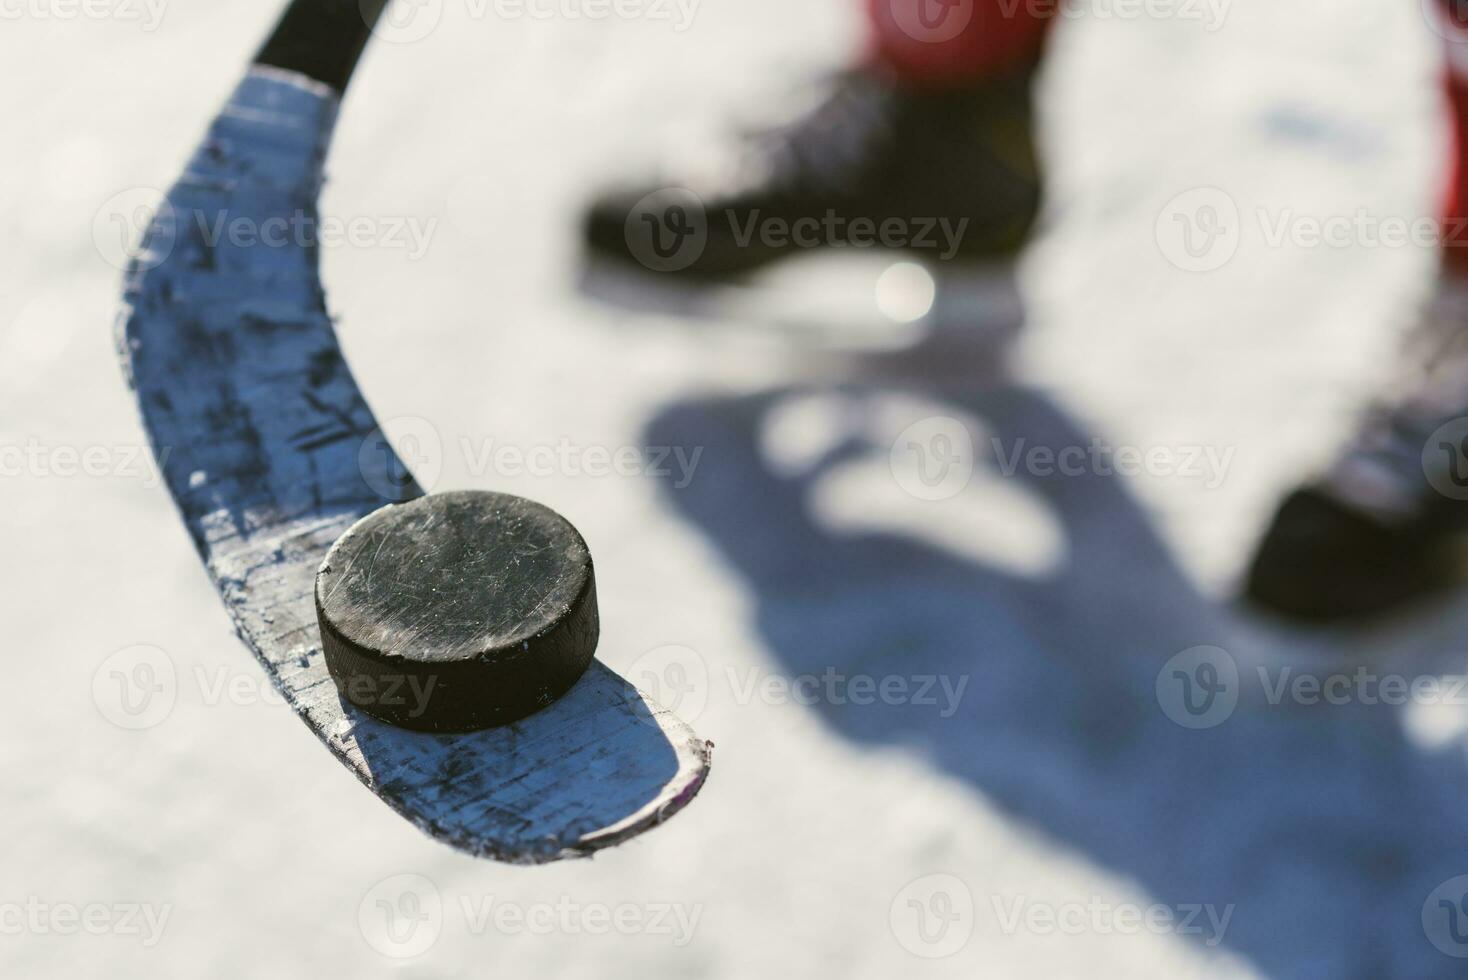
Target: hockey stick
271	453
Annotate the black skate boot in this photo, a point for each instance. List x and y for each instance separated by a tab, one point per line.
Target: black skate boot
947	174
1385	526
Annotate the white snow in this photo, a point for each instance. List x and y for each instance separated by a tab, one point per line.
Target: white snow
1058	783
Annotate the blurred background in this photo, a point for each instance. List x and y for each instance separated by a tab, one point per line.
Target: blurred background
1043	813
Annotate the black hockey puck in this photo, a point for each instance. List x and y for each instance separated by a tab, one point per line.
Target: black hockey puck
457	611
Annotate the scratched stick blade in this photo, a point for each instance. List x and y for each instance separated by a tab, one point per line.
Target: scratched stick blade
271	453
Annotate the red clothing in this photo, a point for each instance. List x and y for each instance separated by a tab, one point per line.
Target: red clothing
937	42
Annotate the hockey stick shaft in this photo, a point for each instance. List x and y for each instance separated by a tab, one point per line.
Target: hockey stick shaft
271	452
322	39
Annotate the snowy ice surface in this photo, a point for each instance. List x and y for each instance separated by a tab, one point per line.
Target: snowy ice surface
1059	784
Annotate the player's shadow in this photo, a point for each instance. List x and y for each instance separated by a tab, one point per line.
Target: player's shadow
1323	825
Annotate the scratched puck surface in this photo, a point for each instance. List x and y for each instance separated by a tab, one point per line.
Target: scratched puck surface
457	611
